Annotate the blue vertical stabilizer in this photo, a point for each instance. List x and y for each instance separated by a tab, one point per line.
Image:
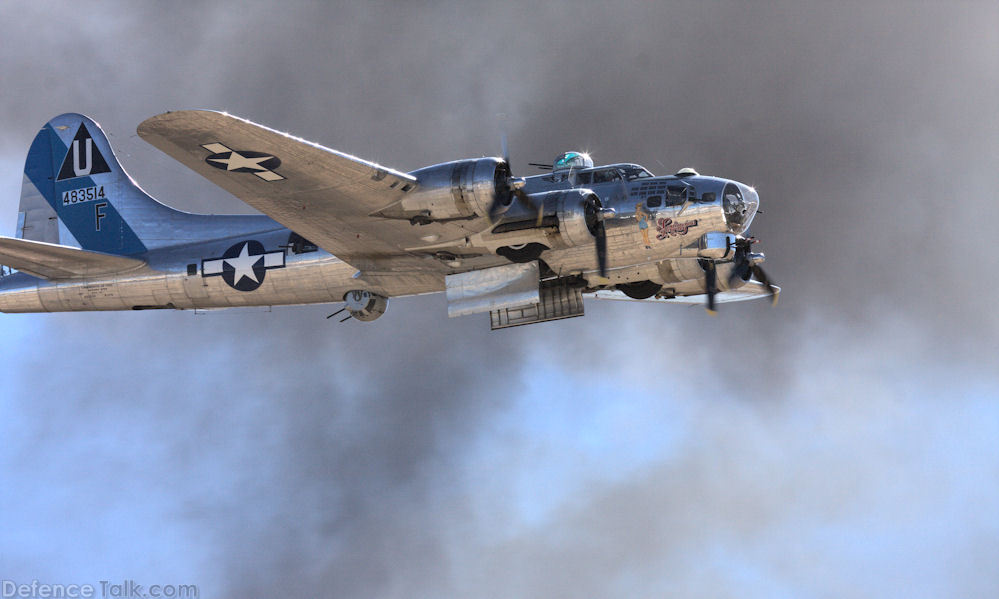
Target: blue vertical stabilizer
76	193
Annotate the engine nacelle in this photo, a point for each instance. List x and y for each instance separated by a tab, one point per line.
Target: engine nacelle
458	189
364	305
573	215
578	216
675	272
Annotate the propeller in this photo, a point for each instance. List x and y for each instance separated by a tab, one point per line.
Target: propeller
595	215
745	267
510	188
710	284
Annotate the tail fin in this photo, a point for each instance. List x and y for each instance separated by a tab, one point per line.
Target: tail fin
76	193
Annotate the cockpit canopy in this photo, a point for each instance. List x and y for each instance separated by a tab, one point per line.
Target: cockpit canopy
572	161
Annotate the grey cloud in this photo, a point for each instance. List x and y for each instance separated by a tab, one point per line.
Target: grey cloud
289	451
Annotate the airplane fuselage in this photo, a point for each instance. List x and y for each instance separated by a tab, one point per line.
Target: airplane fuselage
88	238
654	240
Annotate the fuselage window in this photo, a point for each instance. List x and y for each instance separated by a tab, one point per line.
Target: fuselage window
677	195
654	201
636	172
606	176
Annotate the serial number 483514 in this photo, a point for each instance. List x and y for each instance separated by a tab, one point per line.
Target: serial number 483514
87	194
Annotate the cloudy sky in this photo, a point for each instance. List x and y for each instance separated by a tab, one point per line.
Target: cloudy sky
845	444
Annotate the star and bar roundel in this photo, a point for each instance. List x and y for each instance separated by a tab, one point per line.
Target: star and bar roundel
244	265
243	161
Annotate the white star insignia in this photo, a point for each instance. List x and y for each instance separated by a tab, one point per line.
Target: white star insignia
244	264
237	161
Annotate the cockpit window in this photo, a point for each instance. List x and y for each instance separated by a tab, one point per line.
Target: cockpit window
606	175
617	173
636	172
676	195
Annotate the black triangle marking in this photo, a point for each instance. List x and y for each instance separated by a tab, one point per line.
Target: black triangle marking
79	162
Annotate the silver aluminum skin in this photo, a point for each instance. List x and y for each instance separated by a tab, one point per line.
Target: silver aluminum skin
395	234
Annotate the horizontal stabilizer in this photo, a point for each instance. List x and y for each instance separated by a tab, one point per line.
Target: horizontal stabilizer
51	261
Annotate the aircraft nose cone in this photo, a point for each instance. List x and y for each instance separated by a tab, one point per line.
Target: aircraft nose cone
739	203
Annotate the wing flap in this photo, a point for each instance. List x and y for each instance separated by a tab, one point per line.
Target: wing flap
51	261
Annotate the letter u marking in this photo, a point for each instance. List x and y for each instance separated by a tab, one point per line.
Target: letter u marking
85	170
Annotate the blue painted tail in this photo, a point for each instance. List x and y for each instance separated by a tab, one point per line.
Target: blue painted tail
76	193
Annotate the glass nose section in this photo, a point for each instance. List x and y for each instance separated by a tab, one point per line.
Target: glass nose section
739	203
734	205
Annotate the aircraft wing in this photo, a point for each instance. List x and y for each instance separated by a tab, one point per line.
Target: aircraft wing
322	194
52	261
753	289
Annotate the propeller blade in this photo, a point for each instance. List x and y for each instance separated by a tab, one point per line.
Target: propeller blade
526	201
513	189
741	271
710	285
762	278
601	238
495	209
742	264
595	223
